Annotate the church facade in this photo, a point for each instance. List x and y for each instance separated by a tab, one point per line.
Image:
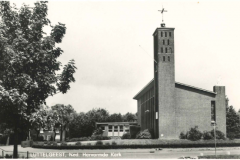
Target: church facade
169	107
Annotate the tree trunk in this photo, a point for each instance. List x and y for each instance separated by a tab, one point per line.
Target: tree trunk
54	136
61	134
37	135
7	143
15	147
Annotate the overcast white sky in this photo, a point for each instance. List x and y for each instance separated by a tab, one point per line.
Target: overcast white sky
104	37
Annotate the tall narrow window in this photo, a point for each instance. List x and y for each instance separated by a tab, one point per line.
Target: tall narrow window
165	50
168	59
163	42
168	42
161	34
213	111
161	50
170	34
163	58
165	34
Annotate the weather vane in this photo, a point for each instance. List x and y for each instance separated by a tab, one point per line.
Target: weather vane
162	12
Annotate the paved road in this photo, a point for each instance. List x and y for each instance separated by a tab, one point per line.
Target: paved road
125	153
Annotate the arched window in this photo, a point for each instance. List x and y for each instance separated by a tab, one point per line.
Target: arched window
165	50
168	42
161	50
163	58
161	34
168	58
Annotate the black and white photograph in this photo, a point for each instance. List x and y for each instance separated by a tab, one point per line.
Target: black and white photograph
120	79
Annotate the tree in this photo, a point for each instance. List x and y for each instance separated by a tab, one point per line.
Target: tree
28	64
39	120
129	117
83	124
78	125
115	118
232	122
93	116
63	115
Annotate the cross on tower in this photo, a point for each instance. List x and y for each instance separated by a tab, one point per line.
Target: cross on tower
162	12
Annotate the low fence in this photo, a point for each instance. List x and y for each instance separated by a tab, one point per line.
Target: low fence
9	154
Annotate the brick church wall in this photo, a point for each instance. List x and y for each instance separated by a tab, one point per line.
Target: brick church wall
193	108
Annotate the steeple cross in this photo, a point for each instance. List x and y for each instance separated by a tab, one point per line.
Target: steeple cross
162	12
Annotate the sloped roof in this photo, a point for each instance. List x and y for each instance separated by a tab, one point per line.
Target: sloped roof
145	89
151	84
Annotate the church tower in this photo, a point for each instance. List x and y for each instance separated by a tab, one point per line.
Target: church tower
164	82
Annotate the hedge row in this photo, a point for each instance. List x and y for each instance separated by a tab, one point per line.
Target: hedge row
189	145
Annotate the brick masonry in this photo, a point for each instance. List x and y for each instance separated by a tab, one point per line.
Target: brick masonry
177	106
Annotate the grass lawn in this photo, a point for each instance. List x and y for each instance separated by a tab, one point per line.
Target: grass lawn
220	157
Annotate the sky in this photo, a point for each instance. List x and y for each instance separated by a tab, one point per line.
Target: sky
112	45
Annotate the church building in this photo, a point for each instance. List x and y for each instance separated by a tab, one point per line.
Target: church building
169	107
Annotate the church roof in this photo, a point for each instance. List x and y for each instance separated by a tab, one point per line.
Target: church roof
151	84
144	90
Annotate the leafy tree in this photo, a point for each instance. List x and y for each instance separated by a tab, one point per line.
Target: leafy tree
115	118
129	117
232	122
62	115
93	116
28	64
39	120
83	124
77	127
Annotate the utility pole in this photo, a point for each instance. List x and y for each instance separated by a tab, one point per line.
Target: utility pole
214	128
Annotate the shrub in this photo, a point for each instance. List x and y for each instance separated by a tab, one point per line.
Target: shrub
8	156
78	139
114	143
54	143
107	144
78	143
97	131
40	138
173	144
89	144
151	131
219	134
100	137
144	135
126	136
49	143
134	130
182	135
63	144
3	139
237	135
207	135
194	134
99	143
231	135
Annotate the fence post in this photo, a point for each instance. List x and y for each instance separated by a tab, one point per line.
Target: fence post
27	154
2	153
